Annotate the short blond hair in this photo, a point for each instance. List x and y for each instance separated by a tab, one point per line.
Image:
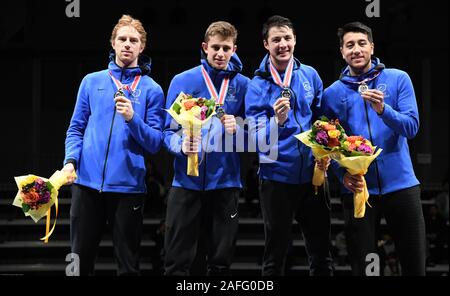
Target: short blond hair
127	20
224	29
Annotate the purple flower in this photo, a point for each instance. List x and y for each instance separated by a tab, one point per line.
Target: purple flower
364	148
39	184
44	197
322	138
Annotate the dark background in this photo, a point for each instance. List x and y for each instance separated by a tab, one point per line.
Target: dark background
44	55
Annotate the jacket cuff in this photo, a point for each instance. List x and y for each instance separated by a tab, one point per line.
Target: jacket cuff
72	161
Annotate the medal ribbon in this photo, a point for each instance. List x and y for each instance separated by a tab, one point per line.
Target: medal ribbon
220	98
366	80
287	76
129	88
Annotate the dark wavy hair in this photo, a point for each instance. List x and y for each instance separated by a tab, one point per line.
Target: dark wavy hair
355	27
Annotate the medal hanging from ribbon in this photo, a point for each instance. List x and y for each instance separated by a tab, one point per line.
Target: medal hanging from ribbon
286	82
220	98
362	85
120	87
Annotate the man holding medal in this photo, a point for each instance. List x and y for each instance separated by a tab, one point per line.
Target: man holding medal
207	203
379	104
283	98
117	119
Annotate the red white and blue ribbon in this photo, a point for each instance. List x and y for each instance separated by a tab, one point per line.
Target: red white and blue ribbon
220	98
286	82
130	88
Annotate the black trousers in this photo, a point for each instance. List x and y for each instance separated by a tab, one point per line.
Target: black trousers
89	213
191	213
280	204
403	212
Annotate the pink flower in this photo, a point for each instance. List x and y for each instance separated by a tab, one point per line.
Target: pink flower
364	148
322	138
203	111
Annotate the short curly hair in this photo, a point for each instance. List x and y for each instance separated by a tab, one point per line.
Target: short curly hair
127	20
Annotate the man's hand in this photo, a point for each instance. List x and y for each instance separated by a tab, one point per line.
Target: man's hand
191	145
229	122
323	163
376	98
69	169
124	107
354	183
281	108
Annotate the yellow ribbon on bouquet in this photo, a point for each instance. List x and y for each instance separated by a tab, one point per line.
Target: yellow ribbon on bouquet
192	159
358	165
319	153
58	179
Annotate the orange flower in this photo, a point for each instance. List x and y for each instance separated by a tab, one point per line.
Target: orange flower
353	139
30	197
188	105
329	127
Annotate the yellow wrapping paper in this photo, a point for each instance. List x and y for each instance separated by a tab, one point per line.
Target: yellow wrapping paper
192	159
319	153
357	165
318	177
192	127
57	180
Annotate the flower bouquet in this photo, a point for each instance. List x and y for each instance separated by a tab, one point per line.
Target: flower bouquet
324	138
36	196
356	155
192	113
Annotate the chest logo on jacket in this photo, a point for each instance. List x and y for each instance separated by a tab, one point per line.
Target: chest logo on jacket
134	97
136	93
383	87
307	86
231	95
308	89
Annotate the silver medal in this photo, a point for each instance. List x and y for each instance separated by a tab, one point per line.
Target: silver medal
286	93
362	88
220	112
119	93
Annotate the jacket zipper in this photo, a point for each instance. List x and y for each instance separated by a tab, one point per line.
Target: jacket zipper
204	173
371	140
109	142
301	130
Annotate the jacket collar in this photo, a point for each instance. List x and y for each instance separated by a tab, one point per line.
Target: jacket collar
264	70
127	74
124	75
375	68
234	67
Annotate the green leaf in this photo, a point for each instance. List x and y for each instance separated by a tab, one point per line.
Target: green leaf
341	129
49	186
210	103
25	207
210	111
176	107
